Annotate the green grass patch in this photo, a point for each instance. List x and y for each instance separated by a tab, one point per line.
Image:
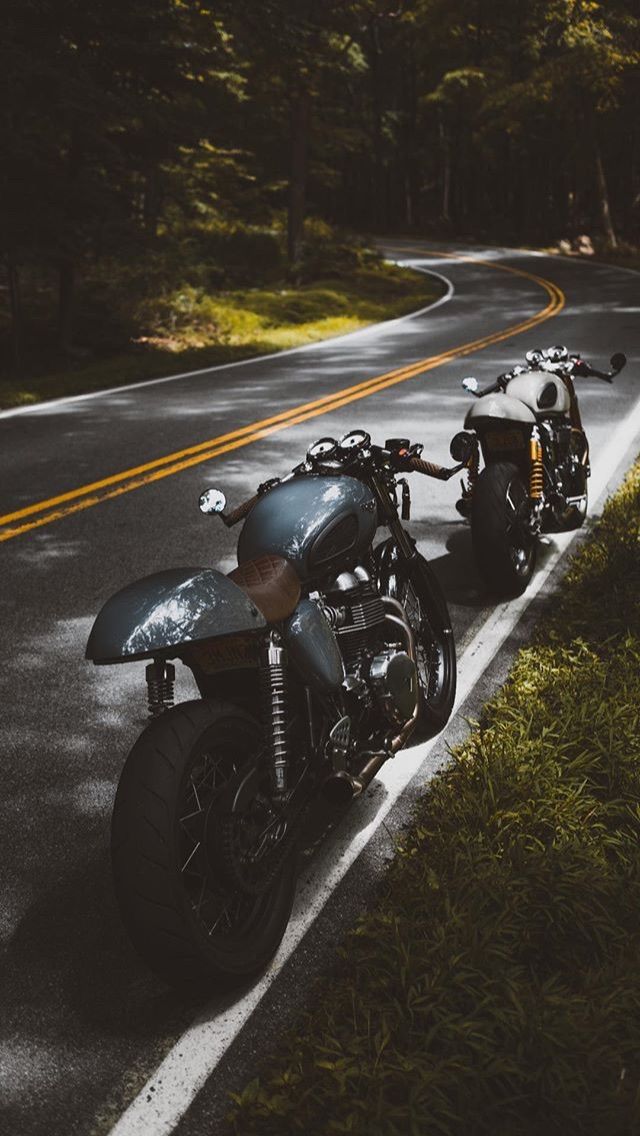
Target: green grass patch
494	987
192	326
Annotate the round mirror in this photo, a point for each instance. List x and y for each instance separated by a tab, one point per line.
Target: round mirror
618	361
470	384
534	356
461	447
212	501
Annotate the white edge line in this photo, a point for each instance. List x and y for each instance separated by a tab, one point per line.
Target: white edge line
174	1085
383	325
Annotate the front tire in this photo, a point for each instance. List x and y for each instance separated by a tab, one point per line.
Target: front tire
504	549
190	922
427	612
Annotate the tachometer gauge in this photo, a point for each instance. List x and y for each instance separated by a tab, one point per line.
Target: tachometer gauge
355	440
321	450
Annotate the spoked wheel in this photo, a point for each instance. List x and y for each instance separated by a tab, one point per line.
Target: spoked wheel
504	547
205	893
427	613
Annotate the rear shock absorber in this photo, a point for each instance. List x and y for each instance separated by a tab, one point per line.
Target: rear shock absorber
273	688
472	471
160	678
536	472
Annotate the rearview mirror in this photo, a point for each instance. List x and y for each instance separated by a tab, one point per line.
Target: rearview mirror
618	361
462	446
470	384
212	501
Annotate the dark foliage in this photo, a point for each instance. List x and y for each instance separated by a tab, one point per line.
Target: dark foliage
133	127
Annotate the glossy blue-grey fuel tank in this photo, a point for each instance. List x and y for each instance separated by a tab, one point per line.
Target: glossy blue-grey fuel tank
315	521
165	610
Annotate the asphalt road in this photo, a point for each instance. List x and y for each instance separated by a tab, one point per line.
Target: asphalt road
83	1023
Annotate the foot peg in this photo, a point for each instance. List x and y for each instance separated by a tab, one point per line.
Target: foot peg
337	746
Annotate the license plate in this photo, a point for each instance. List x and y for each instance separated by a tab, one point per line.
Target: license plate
223	654
504	440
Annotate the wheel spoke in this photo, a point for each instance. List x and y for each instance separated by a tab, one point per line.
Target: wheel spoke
190	856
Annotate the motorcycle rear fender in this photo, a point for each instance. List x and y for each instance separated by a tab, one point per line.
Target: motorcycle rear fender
164	611
500	407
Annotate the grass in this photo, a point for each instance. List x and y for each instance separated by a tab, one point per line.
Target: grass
494	987
192	328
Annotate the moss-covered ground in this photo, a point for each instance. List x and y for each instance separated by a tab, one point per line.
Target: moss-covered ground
494	986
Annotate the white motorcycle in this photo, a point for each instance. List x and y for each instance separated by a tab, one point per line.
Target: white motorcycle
527	427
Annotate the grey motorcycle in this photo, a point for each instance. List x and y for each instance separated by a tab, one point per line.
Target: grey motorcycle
536	462
323	654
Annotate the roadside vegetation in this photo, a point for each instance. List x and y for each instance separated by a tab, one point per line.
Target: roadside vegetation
494	986
221	295
161	158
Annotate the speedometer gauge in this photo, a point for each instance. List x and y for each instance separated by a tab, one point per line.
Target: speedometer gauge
322	449
355	440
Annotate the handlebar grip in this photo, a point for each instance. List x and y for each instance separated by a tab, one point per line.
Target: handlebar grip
607	377
429	469
240	512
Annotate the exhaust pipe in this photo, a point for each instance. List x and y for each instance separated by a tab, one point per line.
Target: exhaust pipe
342	787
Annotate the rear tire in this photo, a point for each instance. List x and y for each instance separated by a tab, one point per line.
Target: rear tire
505	552
191	926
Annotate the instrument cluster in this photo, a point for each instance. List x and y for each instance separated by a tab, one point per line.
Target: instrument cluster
329	451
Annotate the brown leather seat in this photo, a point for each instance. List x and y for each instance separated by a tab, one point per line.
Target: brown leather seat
272	583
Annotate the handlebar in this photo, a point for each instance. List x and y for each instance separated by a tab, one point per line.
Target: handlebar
555	363
430	469
412	464
239	513
586	371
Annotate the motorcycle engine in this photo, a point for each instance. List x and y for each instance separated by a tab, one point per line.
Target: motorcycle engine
376	643
567	472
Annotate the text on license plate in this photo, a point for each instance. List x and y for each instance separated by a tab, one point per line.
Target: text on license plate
504	440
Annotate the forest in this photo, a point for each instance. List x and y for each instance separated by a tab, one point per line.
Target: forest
156	153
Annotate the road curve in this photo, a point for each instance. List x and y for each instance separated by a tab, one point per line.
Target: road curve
83	1023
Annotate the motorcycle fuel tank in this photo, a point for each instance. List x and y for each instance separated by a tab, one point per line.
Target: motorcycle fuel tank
542	392
313	520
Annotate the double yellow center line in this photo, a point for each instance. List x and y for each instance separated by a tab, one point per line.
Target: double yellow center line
85	496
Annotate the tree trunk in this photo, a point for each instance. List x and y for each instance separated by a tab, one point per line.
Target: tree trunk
603	200
378	210
13	281
66	296
300	108
151	201
446	172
